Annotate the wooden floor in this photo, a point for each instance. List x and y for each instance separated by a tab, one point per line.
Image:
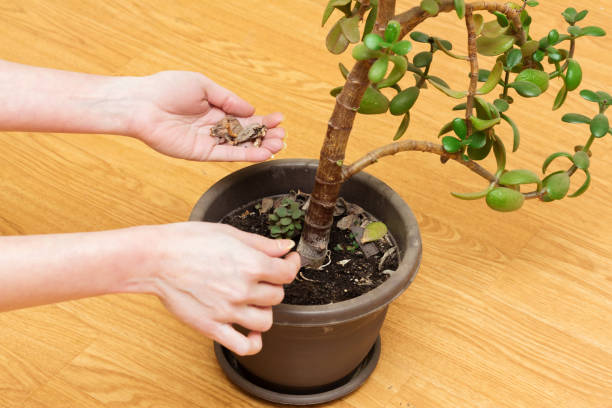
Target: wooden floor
508	310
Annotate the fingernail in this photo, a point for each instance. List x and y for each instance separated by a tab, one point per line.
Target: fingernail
288	244
271	156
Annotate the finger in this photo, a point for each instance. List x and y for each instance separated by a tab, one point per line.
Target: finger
281	270
273	145
227	101
239	153
276	133
265	294
270	247
237	342
254	318
270	121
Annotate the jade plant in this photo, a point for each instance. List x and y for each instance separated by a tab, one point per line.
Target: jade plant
524	65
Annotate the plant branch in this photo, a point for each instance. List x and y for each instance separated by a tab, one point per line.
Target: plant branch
417	146
415	16
473	58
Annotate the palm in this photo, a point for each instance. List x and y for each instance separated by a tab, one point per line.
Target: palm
182	107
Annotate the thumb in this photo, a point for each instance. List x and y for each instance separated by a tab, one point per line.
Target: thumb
270	247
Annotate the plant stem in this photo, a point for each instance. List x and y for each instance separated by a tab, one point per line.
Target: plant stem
328	179
473	58
506	81
412	145
588	144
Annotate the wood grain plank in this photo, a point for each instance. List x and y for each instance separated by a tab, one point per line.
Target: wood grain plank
508	310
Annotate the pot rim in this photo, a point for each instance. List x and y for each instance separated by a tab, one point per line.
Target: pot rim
351	309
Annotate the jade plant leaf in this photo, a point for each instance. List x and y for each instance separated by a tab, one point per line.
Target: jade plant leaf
329	9
584	186
450	92
373	232
399	69
553	156
581	160
600	125
373	102
521	176
371	20
336	41
430	6
526	89
403	101
516	135
556	185
575	118
451	144
560	98
590	96
494	46
505	199
473	196
460	8
350	28
403	126
493	79
534	76
482	124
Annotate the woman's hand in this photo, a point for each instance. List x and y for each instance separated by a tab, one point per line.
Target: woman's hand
175	111
212	276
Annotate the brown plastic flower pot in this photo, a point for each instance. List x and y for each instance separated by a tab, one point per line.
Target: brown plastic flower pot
314	354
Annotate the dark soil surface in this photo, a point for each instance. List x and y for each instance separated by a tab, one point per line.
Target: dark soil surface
335	282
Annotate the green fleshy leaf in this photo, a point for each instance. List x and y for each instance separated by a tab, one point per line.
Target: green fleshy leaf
461	106
460	8
581	160
493	79
399	69
501	105
401	47
593	31
575	118
422	59
446	128
482	124
403	126
473	196
371	20
517	177
329	9
343	70
580	16
373	102
451	144
336	42
494	46
584	186
514	57
373	232
515	132
553	156
460	128
500	154
350	28
599	125
403	101
483	152
478	140
556	185
445	49
526	89
430	6
362	52
450	92
590	96
419	37
478	23
529	48
504	199
560	98
534	76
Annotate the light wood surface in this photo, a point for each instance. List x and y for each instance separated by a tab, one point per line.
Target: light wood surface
508	310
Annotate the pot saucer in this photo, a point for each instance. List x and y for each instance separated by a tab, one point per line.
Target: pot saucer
250	385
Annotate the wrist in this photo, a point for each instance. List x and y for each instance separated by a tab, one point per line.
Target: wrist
140	261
